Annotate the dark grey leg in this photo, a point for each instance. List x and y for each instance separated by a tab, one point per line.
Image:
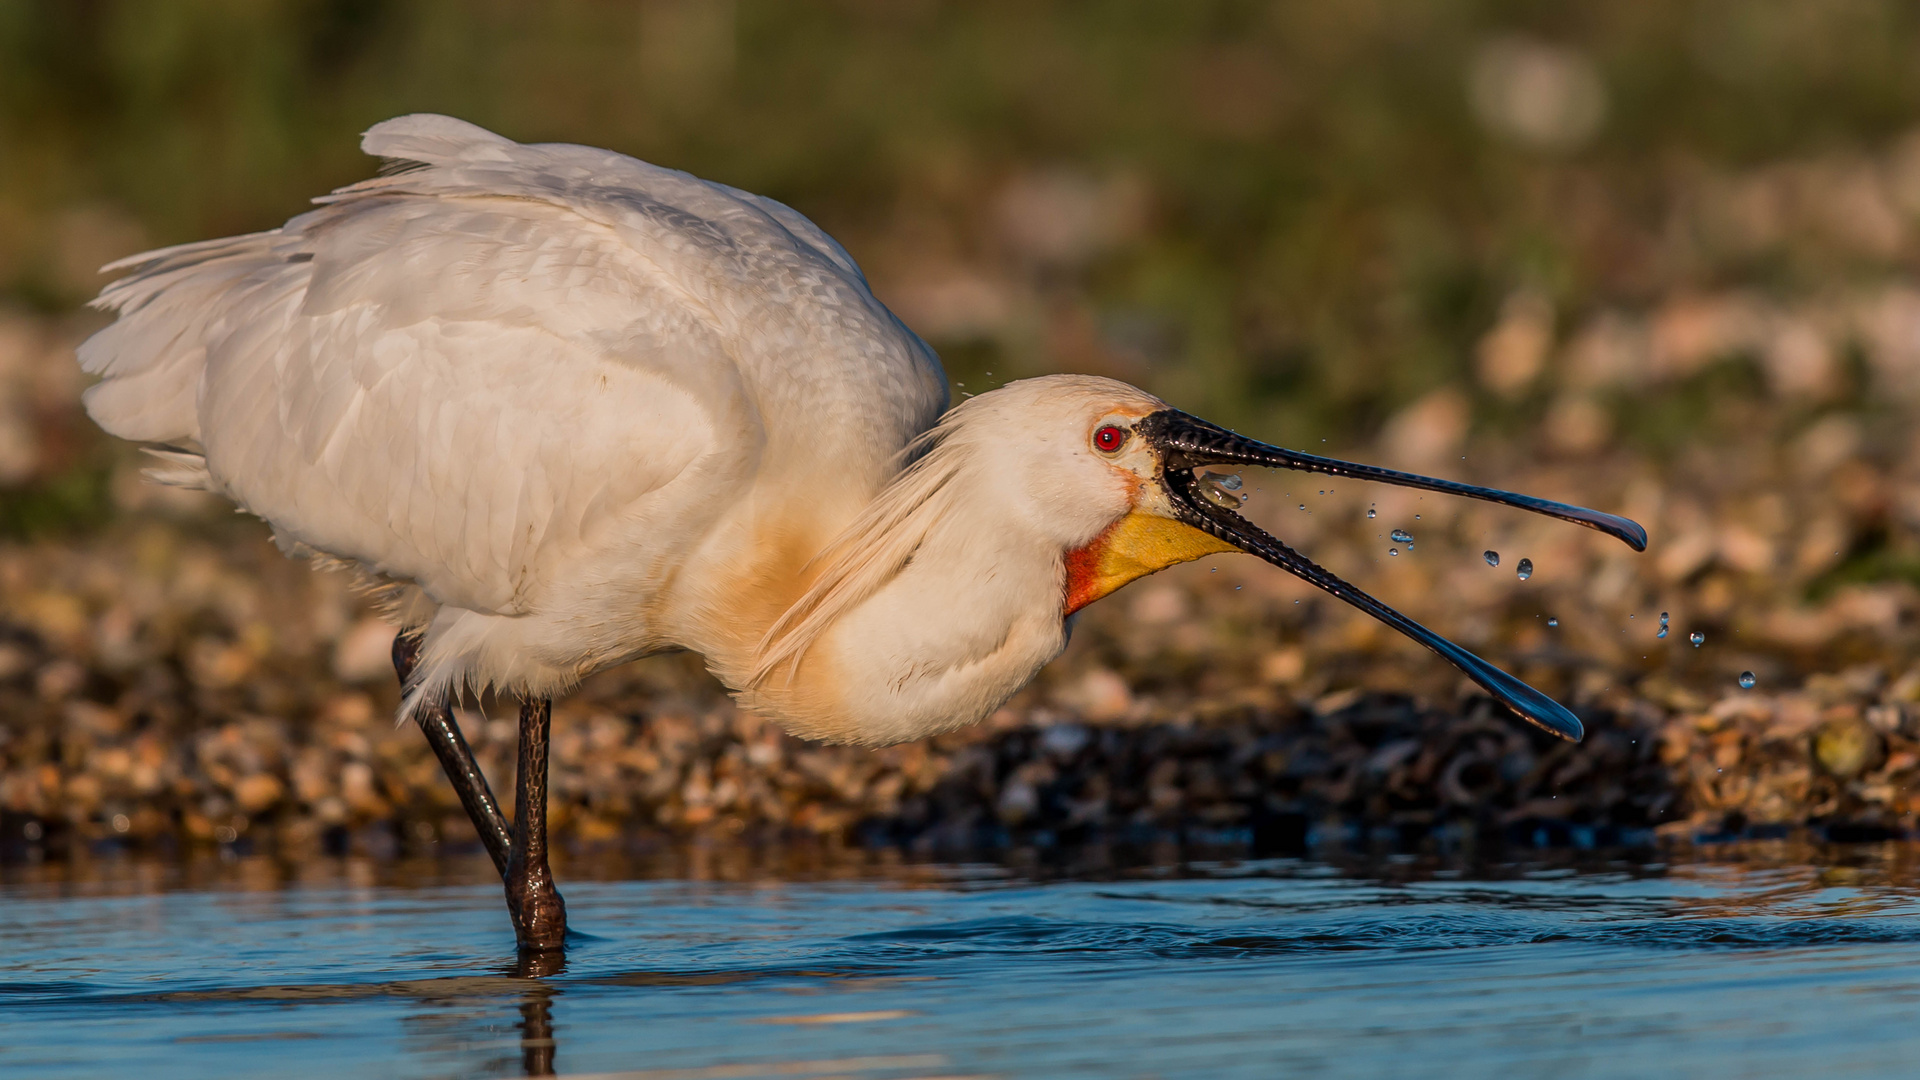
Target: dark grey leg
456	757
539	915
519	851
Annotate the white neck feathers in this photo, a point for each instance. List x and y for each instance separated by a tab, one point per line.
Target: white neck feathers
930	610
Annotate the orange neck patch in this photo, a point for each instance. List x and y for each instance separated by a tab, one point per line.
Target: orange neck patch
1083	573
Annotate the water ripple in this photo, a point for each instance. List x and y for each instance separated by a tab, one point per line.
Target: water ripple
1786	972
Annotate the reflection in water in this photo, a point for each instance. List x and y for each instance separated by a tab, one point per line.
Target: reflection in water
129	873
536	1010
887	970
536	1032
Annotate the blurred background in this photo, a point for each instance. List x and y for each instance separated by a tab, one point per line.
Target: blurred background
1659	257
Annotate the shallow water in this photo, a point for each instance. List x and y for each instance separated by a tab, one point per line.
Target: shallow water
1230	970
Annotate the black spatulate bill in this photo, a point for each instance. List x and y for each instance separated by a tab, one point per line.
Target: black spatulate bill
1186	442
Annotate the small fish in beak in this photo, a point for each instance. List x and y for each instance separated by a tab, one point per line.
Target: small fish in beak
1185	443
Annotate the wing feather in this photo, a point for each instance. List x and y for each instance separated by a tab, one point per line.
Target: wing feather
464	372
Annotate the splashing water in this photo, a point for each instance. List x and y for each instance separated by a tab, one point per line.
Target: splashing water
1697	638
1220	490
1492	557
1401	536
1524	570
1746	680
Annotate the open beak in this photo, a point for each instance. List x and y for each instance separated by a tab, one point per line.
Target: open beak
1186	442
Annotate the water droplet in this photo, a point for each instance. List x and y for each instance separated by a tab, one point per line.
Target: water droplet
1746	680
1553	622
1220	488
1401	536
1492	557
1525	569
1303	506
1416	517
1393	551
1663	631
1370	512
1697	638
1663	618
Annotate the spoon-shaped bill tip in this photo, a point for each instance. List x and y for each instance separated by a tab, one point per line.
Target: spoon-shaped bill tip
1186	442
1531	705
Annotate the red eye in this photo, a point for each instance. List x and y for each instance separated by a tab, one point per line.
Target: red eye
1109	438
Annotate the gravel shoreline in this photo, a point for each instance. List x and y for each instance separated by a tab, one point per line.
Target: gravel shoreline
167	679
284	740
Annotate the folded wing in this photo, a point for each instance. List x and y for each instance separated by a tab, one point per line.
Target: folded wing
464	372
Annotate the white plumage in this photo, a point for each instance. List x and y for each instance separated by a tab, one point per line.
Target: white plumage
570	409
584	407
567	409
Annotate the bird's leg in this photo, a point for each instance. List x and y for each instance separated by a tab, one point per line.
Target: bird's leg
539	915
443	734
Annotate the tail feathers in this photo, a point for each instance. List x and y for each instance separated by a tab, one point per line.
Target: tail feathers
179	468
150	360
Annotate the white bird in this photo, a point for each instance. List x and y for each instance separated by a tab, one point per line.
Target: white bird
566	409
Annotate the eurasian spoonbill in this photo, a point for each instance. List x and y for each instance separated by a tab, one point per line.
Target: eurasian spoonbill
564	409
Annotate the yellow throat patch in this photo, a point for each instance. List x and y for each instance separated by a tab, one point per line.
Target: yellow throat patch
1133	547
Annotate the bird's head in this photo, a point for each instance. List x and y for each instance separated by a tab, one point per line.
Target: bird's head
1119	478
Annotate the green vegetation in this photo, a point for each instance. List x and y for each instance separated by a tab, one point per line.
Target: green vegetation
1324	227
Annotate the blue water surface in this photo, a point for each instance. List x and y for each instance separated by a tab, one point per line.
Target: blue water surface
1250	970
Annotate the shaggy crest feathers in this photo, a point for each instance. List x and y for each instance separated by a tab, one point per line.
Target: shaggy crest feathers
872	549
930	493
